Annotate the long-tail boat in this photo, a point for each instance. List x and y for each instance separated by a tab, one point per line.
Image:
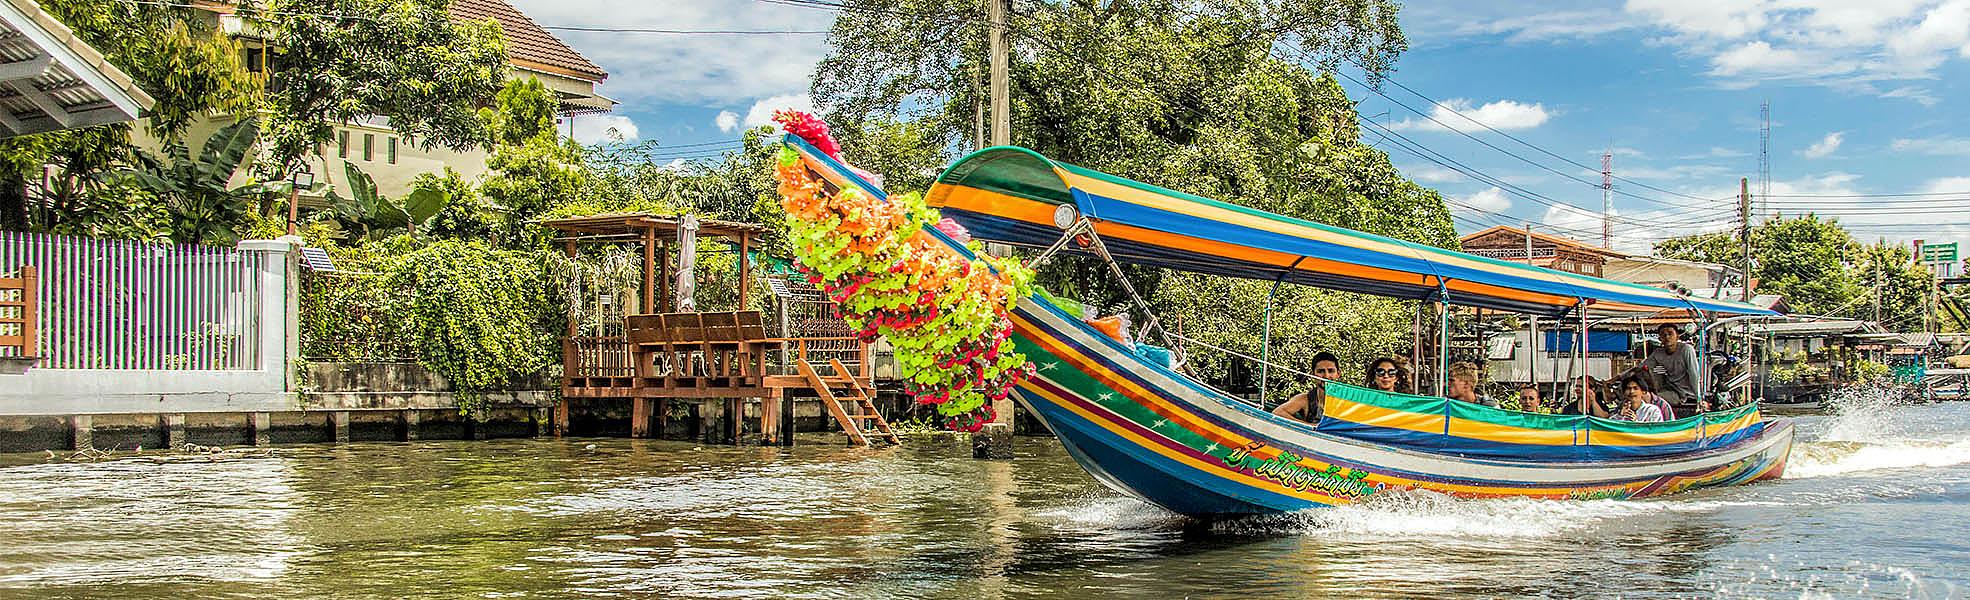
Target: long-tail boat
1149	431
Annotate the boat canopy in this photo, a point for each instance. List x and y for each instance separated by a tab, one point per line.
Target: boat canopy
1016	196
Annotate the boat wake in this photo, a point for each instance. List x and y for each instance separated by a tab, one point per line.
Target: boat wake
1867	431
1432	516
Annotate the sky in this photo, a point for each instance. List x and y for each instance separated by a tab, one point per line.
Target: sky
1504	106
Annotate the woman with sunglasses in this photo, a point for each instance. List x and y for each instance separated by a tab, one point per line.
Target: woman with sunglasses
1387	375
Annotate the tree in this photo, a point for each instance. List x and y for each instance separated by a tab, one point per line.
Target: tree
405	60
197	189
1820	269
532	170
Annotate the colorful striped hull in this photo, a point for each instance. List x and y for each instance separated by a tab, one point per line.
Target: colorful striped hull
1152	434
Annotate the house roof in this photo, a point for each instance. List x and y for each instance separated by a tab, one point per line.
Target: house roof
1814	328
1569	243
51	80
527	44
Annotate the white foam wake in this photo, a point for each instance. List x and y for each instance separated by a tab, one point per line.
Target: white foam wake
1868	431
1425	515
1822	459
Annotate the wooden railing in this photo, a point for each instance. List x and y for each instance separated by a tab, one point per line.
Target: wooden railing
17	314
597	357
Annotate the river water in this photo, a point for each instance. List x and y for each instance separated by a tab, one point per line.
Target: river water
1875	504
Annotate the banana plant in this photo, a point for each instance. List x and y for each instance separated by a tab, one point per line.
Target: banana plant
367	214
203	209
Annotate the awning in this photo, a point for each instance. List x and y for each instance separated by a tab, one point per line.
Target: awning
50	80
1008	194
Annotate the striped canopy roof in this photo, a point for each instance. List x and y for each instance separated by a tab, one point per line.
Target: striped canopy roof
1010	194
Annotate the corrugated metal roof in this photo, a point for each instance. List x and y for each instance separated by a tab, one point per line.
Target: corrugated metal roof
52	80
527	45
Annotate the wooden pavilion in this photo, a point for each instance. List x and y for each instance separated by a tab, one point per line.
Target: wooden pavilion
727	361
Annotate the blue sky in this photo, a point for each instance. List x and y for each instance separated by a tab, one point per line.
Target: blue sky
1864	96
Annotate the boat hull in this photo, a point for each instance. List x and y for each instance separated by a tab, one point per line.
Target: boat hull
1152	434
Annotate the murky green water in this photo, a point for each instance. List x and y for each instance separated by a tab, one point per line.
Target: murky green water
1877	505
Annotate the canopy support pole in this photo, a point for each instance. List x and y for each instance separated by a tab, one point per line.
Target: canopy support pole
1265	344
1152	323
1071	231
1580	347
1532	352
1442	338
1416	347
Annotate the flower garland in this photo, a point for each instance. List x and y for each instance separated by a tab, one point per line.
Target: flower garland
945	315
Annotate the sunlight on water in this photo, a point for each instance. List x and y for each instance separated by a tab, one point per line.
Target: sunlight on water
1867	432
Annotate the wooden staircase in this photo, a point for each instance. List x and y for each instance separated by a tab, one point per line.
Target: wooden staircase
866	422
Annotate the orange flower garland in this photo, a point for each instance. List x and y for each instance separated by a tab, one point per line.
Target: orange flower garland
946	315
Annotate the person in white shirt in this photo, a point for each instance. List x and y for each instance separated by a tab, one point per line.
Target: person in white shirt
1640	405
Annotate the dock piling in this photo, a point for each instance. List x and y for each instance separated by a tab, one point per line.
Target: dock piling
260	424
81	432
174	429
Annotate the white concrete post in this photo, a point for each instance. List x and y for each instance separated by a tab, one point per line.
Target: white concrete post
279	318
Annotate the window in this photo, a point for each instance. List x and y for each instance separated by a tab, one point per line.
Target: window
342	144
393	150
369	146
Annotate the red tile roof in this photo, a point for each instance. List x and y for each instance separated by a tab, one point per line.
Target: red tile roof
527	45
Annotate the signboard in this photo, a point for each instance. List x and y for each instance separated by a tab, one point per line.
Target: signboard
1939	253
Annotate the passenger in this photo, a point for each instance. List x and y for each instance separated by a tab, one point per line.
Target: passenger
1386	374
1305	406
1590	400
1670	368
1464	384
1529	401
1641	405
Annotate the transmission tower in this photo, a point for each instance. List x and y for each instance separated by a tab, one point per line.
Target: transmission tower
1607	199
1764	154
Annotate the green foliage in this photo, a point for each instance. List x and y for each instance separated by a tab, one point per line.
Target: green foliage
483	317
366	214
1819	268
405	59
197	189
536	174
467	215
525	112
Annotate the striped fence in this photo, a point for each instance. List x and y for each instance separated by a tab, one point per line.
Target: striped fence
130	305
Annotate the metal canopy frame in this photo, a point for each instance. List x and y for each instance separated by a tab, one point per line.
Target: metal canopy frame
50	80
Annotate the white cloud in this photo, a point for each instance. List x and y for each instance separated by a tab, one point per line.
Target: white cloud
597	129
1547	25
1826	146
1936	146
1490	200
1947	185
1501	115
1720	18
705	69
761	112
1849	45
1915	94
676	165
1715	152
727	121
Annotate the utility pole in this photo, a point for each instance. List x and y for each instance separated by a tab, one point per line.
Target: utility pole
1607	200
1744	231
1533	352
995	11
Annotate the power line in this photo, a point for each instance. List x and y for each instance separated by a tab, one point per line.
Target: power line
678	31
1372	89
